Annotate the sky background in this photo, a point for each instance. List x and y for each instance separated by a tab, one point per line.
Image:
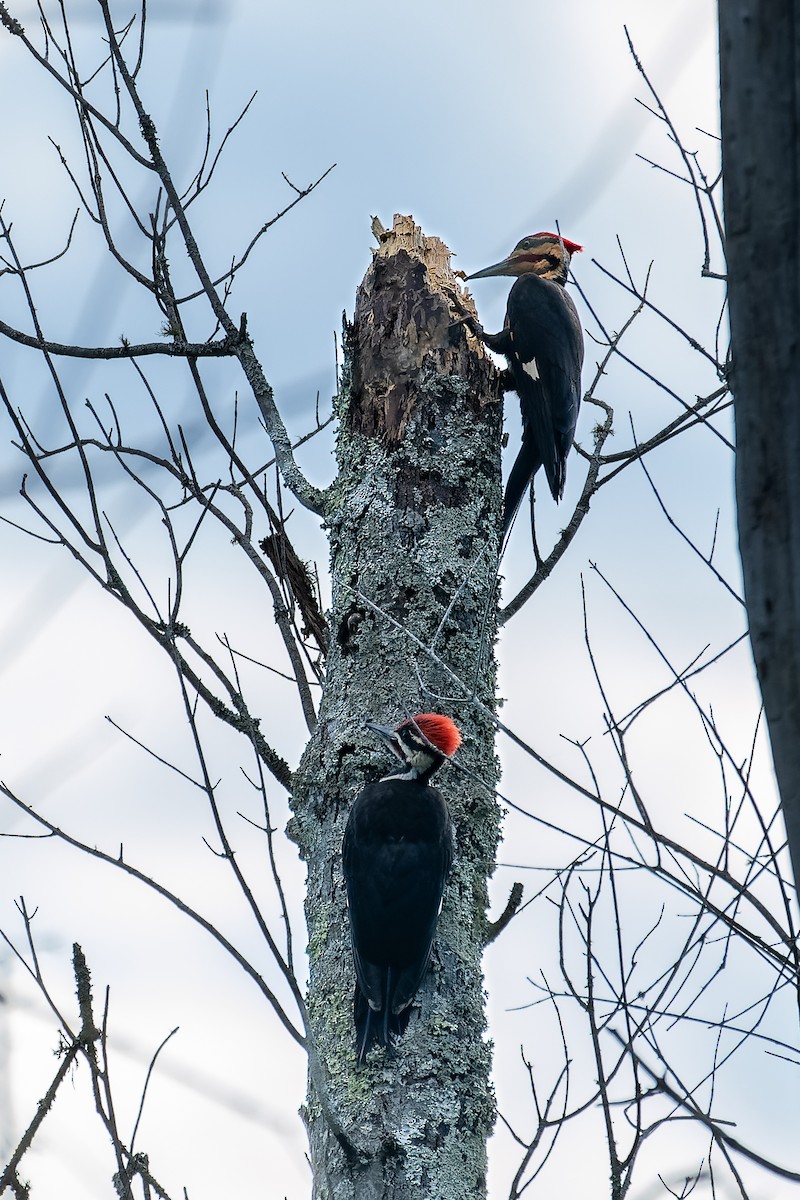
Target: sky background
486	122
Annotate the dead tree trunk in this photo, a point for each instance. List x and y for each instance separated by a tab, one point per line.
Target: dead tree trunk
760	96
414	544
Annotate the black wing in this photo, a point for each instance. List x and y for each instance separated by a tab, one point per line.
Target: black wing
395	880
544	347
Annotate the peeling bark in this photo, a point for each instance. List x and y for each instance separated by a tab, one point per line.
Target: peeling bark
415	534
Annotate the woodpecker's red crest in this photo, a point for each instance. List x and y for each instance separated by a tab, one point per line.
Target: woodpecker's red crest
571	247
443	733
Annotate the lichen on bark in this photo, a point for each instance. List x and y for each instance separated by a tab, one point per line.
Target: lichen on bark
414	532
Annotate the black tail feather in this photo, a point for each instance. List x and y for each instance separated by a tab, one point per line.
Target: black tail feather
525	466
377	1027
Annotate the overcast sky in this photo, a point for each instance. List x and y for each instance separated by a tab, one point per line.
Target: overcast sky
486	122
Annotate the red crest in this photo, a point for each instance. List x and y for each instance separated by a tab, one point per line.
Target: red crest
570	247
443	733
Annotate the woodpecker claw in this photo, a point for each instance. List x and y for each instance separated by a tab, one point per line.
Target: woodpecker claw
467	318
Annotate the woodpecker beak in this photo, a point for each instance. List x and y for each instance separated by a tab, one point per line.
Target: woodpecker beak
388	735
506	267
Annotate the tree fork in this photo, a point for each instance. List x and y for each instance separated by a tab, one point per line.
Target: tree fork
414	528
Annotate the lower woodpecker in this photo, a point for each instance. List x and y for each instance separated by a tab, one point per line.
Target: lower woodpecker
542	340
397	853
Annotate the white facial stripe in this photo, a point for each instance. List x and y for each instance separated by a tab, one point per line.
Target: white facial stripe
417	759
531	368
405	776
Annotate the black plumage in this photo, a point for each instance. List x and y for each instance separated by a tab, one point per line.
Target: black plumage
543	342
396	854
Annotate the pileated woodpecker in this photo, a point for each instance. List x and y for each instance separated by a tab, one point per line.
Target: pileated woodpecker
543	342
397	853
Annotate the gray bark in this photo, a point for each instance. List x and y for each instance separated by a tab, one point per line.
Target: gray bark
414	533
760	99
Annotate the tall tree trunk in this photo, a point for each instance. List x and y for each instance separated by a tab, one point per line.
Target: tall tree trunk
414	545
760	97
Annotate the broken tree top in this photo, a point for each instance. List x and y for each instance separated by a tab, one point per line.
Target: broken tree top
405	234
407	330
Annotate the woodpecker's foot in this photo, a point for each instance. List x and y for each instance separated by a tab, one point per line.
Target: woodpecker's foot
467	318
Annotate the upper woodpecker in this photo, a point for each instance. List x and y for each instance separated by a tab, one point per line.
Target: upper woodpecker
543	342
397	853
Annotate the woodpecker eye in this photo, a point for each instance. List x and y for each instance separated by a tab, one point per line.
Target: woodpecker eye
526	244
411	739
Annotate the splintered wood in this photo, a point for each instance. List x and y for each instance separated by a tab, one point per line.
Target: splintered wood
406	235
405	332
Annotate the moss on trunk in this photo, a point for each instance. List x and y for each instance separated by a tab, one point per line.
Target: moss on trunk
414	536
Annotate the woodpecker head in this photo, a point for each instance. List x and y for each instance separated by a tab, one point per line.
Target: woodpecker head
543	254
422	743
